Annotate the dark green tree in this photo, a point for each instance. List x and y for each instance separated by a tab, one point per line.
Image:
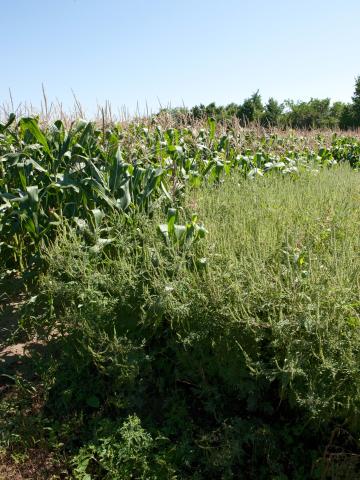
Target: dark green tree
356	102
336	112
347	120
316	113
231	110
251	110
272	113
350	115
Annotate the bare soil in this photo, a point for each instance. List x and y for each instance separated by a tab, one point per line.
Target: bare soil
15	356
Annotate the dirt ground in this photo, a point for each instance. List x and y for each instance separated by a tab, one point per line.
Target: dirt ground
38	465
15	353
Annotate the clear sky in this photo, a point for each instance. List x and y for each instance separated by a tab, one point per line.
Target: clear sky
178	52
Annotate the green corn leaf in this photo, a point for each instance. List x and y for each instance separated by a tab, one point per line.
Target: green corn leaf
171	218
163	229
13	199
11	119
100	244
99	190
165	191
98	216
153	182
35	165
125	199
201	231
179	231
33	193
212	128
95	172
22	177
115	172
31	125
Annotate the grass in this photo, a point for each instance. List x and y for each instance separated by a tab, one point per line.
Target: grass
290	250
234	357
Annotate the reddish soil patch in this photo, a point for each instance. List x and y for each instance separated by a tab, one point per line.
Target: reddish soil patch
37	465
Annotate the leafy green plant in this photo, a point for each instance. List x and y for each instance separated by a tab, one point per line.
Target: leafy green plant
181	235
129	452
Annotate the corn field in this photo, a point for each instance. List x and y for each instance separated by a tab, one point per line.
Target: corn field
84	172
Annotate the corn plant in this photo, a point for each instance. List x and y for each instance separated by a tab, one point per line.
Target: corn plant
51	174
182	235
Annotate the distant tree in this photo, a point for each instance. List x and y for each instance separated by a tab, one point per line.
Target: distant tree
211	110
231	110
316	113
272	113
336	112
198	111
350	115
252	109
356	103
347	119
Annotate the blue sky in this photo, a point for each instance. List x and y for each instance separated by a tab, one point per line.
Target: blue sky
177	52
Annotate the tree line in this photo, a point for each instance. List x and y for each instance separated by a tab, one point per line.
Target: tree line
315	113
